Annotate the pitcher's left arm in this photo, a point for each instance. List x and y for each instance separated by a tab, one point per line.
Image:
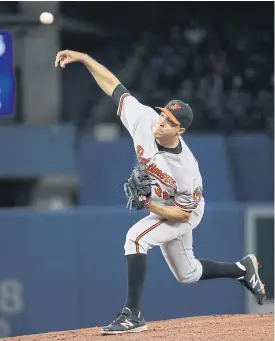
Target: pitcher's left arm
169	212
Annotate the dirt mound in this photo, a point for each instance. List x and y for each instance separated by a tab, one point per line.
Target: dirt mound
205	328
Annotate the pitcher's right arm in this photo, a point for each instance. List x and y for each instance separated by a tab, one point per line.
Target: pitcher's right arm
105	79
129	108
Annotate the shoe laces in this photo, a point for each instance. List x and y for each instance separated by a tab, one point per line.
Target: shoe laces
120	317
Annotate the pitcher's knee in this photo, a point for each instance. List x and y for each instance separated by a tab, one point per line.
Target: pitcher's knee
192	275
134	244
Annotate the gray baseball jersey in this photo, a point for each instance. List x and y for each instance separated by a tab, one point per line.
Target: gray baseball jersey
179	183
178	178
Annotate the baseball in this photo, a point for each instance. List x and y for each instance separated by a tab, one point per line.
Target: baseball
46	18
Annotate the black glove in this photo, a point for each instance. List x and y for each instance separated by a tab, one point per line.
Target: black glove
138	184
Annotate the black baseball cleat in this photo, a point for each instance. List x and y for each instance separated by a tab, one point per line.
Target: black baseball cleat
251	279
126	322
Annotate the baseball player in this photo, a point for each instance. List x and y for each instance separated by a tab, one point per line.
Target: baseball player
176	203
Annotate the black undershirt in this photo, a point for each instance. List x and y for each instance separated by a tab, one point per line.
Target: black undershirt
175	150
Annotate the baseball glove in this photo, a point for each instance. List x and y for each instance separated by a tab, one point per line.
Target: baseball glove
138	184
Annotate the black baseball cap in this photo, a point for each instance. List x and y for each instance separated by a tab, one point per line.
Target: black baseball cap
178	112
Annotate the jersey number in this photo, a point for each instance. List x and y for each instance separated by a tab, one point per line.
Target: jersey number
160	193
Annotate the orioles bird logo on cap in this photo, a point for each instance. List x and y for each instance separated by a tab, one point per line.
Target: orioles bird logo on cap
175	106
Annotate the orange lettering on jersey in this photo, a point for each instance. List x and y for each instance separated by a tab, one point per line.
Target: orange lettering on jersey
161	176
158	172
158	190
140	151
160	193
165	195
154	170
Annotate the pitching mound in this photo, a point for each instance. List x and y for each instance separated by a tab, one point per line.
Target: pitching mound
208	328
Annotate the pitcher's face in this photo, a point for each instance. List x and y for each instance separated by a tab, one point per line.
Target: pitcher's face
164	127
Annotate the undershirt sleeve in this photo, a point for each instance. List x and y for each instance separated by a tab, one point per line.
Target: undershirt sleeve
118	92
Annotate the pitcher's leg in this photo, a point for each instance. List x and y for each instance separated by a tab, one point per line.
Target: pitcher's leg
186	268
144	235
148	232
180	258
152	231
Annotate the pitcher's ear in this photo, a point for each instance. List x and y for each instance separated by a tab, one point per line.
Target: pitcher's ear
180	131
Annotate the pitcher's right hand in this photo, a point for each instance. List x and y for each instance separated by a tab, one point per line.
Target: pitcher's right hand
67	56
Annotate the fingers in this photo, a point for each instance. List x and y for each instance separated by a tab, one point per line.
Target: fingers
61	57
63	62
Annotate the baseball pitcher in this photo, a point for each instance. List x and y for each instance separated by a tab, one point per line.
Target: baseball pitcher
167	183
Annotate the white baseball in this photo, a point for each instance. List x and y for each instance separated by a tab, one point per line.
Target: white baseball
46	18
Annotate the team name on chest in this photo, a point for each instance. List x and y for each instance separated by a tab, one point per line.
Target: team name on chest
153	169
